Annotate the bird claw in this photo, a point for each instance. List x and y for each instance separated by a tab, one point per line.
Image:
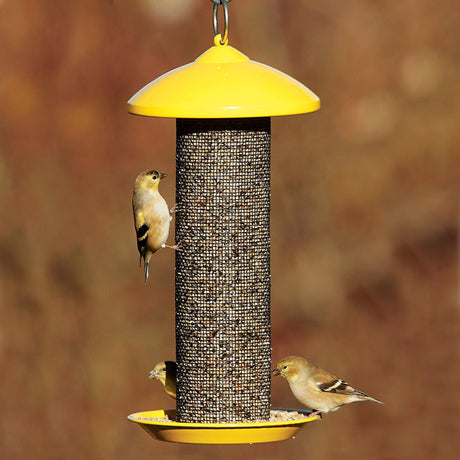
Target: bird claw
176	247
174	209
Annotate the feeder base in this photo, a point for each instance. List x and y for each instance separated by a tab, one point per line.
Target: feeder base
218	433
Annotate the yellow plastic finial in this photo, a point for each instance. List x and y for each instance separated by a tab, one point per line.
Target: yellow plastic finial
223	83
218	41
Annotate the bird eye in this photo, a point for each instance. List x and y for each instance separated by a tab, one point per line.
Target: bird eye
154	177
164	368
285	367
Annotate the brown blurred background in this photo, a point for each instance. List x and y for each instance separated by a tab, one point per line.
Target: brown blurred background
364	221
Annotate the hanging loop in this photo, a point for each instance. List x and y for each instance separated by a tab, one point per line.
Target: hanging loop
224	36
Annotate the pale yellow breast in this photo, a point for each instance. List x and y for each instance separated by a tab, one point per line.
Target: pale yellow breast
156	214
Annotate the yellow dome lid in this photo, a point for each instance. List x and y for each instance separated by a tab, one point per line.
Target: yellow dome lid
223	83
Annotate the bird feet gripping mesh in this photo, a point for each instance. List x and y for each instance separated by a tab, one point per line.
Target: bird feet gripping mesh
176	247
173	210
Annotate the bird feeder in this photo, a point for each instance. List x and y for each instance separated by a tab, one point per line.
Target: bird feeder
223	102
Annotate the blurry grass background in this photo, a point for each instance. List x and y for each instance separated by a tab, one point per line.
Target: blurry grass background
364	221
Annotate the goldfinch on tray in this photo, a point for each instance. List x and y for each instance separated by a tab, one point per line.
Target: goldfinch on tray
316	388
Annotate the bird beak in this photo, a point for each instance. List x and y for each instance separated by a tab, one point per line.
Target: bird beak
153	375
162	175
276	371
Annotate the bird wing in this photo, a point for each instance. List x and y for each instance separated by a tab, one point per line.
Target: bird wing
334	386
339	386
142	232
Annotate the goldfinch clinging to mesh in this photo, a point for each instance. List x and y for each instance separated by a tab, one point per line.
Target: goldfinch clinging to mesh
151	216
165	372
316	388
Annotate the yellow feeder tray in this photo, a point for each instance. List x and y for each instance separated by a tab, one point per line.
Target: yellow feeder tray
223	83
218	433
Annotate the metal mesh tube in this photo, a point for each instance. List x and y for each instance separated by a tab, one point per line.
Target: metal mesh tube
223	348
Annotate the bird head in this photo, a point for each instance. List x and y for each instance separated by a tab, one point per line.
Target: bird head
149	180
163	370
291	367
159	372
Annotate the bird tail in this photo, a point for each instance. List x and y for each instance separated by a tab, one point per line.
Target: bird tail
146	270
370	398
365	397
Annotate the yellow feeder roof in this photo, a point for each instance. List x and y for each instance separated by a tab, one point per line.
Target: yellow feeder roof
223	83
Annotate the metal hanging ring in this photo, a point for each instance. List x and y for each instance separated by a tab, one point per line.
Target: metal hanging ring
215	24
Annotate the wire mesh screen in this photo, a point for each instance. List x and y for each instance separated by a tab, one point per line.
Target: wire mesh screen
223	348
